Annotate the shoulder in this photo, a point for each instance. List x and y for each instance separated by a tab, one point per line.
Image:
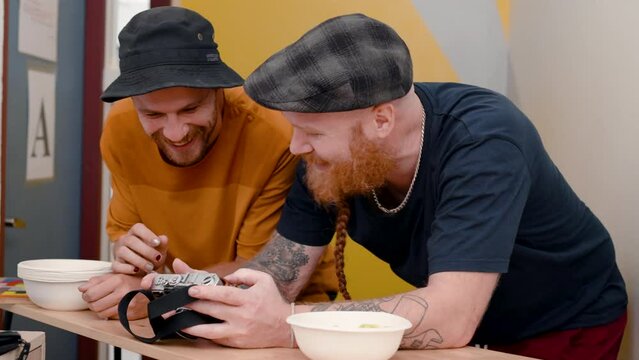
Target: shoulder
255	139
474	113
265	126
461	100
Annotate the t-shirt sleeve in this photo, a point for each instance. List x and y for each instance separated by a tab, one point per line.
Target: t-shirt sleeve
483	188
303	220
262	217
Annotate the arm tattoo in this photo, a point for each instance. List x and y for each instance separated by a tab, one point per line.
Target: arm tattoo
368	305
282	258
414	338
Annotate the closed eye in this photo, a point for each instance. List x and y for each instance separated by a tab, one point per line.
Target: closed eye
152	115
189	110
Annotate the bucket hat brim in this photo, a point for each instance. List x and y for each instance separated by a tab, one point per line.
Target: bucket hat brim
147	79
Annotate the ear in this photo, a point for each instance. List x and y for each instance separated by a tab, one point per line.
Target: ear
384	119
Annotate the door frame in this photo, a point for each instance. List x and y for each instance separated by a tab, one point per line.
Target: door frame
3	126
90	218
90	205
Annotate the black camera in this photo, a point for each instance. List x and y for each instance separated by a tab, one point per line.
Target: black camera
166	283
169	292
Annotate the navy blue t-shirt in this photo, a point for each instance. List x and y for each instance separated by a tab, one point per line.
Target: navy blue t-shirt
487	198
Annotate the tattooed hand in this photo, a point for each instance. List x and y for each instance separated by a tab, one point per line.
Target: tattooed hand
253	317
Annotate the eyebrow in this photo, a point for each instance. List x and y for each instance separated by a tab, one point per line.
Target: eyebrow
189	105
305	127
308	128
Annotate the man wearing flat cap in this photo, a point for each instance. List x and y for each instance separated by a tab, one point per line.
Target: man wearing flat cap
447	183
199	171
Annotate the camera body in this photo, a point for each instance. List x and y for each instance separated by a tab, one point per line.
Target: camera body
165	297
166	283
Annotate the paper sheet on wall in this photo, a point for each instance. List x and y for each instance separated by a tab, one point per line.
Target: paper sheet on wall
41	127
38	28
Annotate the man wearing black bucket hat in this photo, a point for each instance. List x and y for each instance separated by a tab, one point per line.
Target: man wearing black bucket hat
448	183
199	171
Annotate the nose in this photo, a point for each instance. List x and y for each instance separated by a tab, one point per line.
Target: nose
299	144
174	130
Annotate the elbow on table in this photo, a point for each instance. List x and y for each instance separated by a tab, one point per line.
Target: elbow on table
460	335
451	337
462	340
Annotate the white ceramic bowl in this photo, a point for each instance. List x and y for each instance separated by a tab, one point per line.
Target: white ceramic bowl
351	335
56	295
53	283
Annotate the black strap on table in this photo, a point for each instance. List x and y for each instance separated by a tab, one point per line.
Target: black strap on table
171	326
10	340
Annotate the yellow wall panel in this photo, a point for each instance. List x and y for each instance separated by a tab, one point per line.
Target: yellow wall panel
249	31
368	277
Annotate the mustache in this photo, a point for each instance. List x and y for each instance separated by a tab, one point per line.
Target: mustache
193	132
312	160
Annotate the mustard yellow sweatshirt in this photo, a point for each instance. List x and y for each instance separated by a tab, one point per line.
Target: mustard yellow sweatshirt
225	206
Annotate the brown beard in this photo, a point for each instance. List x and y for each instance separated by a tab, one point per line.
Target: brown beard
367	169
205	133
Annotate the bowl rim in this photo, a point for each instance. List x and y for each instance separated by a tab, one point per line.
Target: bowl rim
31	264
403	323
61	279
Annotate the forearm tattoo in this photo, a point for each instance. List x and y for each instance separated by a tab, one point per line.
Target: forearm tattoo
416	337
282	258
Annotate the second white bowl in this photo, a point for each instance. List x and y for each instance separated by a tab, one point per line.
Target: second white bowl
352	335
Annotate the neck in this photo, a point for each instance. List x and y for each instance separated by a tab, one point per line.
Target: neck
407	146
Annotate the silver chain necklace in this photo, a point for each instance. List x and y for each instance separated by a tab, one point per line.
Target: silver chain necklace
410	189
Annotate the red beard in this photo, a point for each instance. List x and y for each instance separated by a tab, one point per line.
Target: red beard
368	168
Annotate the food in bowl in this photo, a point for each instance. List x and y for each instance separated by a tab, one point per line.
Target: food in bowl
53	283
369	326
349	335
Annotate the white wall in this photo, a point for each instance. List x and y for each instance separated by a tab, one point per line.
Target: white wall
575	72
119	12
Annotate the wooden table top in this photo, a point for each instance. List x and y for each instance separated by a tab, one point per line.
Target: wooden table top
86	323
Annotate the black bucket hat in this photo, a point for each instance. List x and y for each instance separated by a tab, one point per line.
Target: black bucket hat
345	63
166	47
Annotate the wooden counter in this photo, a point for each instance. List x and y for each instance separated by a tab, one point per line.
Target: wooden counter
86	323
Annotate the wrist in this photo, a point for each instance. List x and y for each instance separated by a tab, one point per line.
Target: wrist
292	342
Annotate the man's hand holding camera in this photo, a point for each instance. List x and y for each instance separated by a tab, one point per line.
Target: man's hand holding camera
253	305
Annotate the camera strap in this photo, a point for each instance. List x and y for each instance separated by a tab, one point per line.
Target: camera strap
165	328
10	340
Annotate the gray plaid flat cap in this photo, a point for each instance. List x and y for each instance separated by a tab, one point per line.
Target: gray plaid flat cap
345	63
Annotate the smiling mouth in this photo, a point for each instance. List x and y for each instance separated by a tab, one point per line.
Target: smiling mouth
180	144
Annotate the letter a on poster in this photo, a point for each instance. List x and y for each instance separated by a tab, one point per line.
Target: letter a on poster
41	129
